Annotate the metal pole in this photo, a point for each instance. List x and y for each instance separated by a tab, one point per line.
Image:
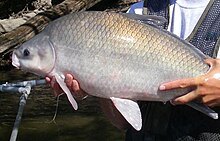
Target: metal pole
23	99
13	87
23	88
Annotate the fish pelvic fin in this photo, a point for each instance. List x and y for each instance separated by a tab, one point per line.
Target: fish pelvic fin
62	84
129	110
203	108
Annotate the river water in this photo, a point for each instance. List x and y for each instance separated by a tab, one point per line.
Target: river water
86	124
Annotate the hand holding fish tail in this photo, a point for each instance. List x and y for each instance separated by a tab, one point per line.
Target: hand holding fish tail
71	83
206	86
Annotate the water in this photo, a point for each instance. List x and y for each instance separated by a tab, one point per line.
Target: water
86	124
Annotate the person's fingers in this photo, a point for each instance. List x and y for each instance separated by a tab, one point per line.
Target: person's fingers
71	83
80	94
182	83
186	98
213	103
207	100
54	83
75	85
211	100
47	79
55	86
68	80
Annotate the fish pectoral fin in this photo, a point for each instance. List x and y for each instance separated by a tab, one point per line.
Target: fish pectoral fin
203	108
62	84
129	110
149	19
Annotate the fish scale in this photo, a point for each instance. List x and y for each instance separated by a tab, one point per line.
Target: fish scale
122	45
113	56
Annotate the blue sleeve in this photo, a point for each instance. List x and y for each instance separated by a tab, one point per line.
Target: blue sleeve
135	6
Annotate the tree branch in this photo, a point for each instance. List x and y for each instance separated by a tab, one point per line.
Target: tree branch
36	24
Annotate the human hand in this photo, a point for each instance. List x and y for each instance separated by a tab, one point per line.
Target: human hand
106	104
71	83
207	86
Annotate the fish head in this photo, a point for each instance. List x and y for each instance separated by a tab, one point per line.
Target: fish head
36	55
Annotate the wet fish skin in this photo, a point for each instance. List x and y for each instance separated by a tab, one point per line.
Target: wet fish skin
112	56
103	41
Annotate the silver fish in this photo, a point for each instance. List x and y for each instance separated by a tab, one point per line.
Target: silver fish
113	56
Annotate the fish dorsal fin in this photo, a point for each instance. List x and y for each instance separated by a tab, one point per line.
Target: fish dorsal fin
62	84
129	110
149	19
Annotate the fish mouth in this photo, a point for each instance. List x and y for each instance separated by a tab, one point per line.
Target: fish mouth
15	61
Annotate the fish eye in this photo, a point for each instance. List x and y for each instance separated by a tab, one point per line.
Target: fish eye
26	52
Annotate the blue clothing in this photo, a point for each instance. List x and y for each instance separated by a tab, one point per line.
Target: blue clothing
135	6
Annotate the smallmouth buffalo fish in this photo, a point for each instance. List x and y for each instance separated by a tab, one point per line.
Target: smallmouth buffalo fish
114	56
